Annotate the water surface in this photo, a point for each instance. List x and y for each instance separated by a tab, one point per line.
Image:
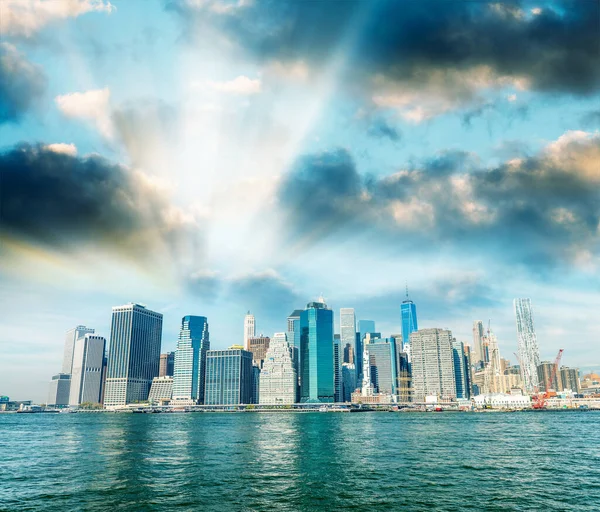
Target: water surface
371	461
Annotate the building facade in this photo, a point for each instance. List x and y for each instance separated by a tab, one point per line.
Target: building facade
134	355
338	356
348	381
316	353
71	336
382	359
259	345
60	387
228	377
529	354
569	379
478	353
432	364
278	377
190	360
408	314
86	376
167	364
249	329
161	390
348	334
460	370
549	377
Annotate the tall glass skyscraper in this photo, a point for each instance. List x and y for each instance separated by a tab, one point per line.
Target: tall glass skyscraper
408	313
134	356
229	377
316	353
460	370
529	354
382	358
190	359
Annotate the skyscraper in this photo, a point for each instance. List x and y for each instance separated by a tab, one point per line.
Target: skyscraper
167	364
549	376
258	345
190	359
278	376
569	378
478	353
337	369
134	355
249	329
529	354
408	314
460	370
348	334
432	364
86	376
58	393
228	377
71	336
316	353
348	381
364	327
382	359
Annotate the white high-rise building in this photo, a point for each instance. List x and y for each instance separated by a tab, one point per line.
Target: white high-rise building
432	364
71	336
529	354
278	377
249	330
86	376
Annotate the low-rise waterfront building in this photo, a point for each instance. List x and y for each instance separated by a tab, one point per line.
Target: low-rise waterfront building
60	387
502	401
161	390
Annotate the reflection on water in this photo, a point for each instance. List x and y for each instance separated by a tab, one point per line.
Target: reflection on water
375	461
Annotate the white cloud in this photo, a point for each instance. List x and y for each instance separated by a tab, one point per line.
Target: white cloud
241	85
90	105
61	147
26	17
511	97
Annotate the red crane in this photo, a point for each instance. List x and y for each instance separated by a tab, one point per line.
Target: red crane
539	399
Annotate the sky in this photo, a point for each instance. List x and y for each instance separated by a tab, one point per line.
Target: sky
210	157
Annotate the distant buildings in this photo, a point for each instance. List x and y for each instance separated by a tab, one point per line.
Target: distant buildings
549	377
71	336
569	378
86	376
408	313
134	355
249	329
167	364
348	335
348	381
228	377
529	354
60	387
161	390
478	352
278	377
432	364
461	375
258	345
190	360
316	353
382	361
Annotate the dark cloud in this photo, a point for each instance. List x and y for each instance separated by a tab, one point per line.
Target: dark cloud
591	119
537	210
380	128
60	201
438	42
21	84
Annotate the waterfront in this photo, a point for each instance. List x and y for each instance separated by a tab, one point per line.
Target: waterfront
378	461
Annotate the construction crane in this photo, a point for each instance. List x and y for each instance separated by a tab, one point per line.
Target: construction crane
540	400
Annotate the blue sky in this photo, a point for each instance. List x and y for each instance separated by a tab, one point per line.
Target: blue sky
211	157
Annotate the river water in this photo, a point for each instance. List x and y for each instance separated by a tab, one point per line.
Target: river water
317	461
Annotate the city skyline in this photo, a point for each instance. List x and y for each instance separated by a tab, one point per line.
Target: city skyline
184	155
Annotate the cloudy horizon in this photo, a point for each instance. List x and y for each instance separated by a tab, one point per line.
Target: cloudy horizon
211	157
